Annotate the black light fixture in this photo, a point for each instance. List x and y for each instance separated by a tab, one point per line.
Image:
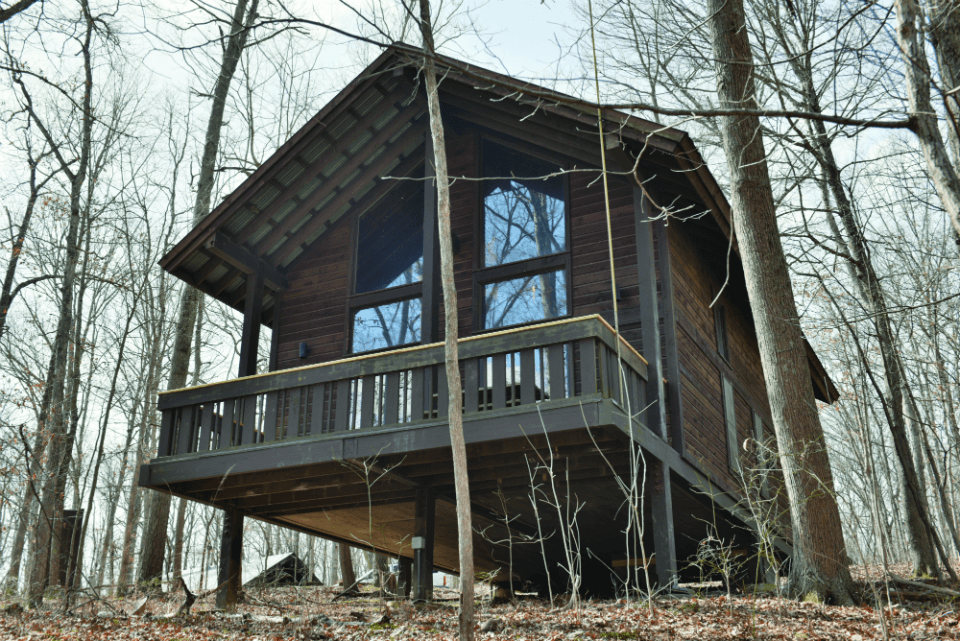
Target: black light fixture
304	350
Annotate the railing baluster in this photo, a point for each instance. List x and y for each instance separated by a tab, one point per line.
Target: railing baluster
391	399
443	396
555	364
293	420
317	407
166	430
471	386
248	420
228	429
368	396
206	427
588	366
499	382
341	422
270	417
187	422
416	403
528	383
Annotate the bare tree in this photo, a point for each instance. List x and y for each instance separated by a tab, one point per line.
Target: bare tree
819	562
455	411
243	19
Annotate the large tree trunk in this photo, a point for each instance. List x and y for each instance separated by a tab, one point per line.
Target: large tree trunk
155	530
917	76
819	556
451	356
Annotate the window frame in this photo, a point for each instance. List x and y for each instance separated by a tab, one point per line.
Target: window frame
721	331
356	303
483	276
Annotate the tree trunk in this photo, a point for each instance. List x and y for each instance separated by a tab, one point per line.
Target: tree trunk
944	29
819	556
917	77
451	356
155	530
346	566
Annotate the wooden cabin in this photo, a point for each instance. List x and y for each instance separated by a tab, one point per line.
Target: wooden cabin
333	244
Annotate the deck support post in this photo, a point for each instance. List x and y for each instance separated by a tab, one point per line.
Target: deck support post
404	579
231	538
231	547
423	529
656	415
664	543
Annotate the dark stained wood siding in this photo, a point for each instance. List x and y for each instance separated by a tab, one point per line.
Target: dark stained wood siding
314	309
591	258
695	286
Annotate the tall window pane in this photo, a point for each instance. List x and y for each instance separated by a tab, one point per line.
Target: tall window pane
523	218
390	243
525	300
390	325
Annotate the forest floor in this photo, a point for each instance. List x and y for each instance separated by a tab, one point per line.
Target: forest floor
309	613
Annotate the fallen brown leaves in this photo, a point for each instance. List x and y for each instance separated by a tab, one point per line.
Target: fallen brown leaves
309	615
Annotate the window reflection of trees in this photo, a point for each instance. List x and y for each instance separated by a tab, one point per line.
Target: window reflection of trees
524	218
392	324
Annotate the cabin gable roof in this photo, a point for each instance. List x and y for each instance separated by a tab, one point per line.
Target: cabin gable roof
376	127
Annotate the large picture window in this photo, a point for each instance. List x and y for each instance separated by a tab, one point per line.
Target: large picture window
386	308
524	276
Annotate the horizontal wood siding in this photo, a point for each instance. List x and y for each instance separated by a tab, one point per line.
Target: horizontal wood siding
314	308
464	209
591	258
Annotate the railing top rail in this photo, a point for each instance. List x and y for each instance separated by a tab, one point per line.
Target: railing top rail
524	337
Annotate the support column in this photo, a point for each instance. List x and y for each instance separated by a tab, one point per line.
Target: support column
423	545
404	579
674	390
231	539
231	548
661	506
250	338
656	416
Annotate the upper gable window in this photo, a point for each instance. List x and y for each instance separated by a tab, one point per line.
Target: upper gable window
524	214
386	308
390	243
525	269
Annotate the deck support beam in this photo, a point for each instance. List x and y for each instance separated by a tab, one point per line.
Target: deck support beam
664	543
231	547
423	529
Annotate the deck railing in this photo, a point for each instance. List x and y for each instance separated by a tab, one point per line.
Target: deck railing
526	366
